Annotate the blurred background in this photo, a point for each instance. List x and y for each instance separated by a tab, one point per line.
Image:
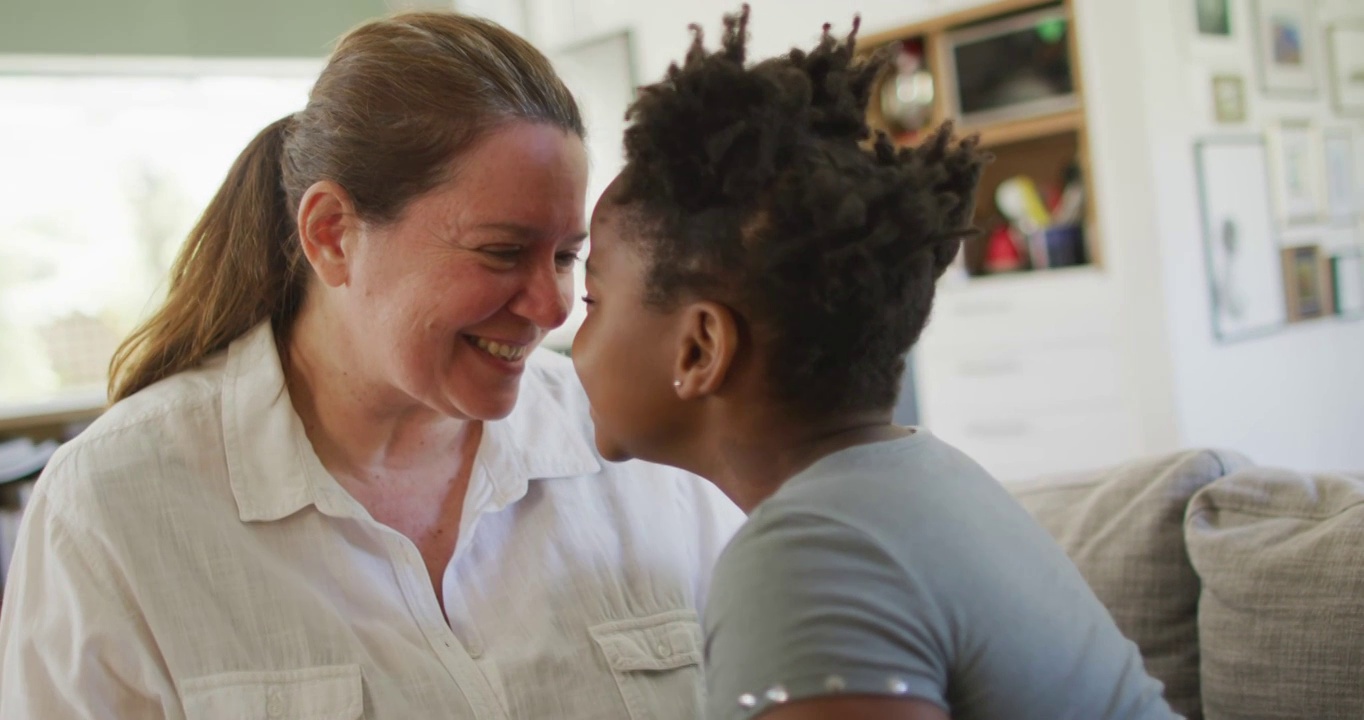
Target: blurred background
1171	235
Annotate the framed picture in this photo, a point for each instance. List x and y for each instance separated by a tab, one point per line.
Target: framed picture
1213	29
1285	39
1212	18
1228	99
1347	280
1346	47
1012	68
1306	291
1244	278
1342	188
1293	154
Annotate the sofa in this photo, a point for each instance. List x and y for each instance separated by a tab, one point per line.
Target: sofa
1242	586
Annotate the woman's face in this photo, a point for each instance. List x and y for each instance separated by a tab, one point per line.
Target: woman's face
444	304
625	351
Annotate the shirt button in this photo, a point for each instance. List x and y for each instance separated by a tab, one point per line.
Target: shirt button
274	706
664	650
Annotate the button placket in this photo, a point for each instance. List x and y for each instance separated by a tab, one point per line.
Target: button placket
431	620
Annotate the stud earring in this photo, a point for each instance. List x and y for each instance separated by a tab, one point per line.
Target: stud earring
677	383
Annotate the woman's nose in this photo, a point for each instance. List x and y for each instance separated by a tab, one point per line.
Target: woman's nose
546	297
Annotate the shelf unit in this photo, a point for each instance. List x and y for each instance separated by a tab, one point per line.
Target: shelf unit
1039	147
1024	371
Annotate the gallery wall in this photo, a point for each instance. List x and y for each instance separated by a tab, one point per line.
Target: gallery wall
1293	393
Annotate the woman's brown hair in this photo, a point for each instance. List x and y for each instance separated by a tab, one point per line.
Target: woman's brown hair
399	99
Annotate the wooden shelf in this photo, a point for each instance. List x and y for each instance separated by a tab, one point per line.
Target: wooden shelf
943	23
1029	129
1045	148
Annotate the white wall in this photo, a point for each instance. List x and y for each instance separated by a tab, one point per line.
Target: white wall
1293	398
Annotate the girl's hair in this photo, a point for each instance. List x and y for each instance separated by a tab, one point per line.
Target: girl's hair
399	100
761	186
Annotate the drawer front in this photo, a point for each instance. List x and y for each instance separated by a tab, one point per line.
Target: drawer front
1065	306
1015	447
1044	378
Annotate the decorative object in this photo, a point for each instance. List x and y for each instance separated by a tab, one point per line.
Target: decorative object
1012	68
1293	153
1306	291
1244	278
1347	279
1342	189
1229	99
1346	48
907	93
1284	34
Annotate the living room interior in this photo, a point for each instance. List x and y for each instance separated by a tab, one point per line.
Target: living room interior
1161	319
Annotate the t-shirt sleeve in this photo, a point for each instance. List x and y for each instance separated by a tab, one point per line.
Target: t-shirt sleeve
805	606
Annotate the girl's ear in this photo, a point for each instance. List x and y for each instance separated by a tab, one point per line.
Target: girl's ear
706	350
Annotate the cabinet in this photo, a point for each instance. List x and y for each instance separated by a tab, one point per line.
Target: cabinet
1022	368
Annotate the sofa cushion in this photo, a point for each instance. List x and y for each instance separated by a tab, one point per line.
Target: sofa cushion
1123	528
1281	617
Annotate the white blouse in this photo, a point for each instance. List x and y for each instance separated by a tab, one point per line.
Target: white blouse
189	557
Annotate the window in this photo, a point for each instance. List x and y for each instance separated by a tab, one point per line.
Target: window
104	168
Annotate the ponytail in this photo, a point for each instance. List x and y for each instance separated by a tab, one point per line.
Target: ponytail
239	266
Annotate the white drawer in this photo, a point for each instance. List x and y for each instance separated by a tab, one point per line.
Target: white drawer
1055	306
1042	378
1019	447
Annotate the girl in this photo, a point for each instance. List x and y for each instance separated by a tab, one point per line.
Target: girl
757	275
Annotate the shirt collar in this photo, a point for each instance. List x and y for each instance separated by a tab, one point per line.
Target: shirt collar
274	472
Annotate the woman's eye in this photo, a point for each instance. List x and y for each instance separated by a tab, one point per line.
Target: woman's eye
503	254
589	300
566	260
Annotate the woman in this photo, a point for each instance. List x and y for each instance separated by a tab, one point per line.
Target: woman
757	274
337	480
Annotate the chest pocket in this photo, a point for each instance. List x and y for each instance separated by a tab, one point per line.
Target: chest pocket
656	661
320	693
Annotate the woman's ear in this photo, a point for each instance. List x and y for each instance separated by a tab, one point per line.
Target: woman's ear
709	342
326	217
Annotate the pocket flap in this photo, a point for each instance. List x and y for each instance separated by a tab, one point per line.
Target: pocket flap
657	642
333	692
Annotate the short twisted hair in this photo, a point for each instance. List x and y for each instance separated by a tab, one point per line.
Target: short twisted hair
756	185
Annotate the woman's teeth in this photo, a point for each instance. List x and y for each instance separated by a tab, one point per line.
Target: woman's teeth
509	353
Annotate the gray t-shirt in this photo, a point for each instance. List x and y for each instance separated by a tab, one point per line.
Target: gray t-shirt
904	568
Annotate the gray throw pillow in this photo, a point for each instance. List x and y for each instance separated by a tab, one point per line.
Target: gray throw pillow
1123	528
1281	618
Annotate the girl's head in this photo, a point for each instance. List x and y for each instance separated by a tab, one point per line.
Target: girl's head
759	247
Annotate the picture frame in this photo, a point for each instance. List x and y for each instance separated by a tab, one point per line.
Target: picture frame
1240	246
1307	293
1286	52
1340	179
1347	282
1345	49
1228	98
1295	165
1213	28
1212	18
